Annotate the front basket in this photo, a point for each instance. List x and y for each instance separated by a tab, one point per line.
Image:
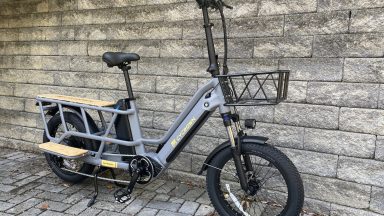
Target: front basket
267	88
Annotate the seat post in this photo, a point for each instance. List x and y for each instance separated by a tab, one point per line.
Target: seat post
125	68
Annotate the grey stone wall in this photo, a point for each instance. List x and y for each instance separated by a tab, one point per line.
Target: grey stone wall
331	126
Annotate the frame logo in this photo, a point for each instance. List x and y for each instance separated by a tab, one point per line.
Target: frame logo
183	132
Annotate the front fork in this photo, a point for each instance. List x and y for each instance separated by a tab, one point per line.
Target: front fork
236	149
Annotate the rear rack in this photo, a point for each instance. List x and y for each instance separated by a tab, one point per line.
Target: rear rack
49	102
255	89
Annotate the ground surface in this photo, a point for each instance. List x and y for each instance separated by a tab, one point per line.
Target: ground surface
27	187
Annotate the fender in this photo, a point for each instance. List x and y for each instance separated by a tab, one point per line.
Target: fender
257	140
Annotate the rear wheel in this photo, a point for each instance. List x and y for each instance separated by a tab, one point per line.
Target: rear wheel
277	186
58	164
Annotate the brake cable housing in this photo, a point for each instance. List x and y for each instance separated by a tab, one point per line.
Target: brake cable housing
218	5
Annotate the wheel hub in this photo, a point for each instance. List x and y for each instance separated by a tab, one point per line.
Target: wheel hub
253	187
70	163
253	184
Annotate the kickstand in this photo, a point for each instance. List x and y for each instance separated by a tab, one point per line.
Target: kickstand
93	199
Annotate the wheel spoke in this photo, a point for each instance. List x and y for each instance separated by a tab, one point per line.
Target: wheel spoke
270	197
77	142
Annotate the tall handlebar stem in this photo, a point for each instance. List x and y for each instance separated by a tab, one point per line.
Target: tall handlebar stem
213	63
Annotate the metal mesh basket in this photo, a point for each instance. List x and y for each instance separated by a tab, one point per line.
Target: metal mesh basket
267	88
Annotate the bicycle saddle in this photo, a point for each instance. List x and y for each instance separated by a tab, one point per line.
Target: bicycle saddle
118	58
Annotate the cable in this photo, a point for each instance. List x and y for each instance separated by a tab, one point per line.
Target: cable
225	66
219	5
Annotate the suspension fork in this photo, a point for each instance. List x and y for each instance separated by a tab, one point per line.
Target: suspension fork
240	133
236	152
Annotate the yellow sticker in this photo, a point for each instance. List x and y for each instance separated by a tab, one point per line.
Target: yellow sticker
110	164
174	143
183	132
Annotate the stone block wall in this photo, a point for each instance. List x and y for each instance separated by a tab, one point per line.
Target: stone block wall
331	126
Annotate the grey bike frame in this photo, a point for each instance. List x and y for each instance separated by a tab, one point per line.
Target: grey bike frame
204	102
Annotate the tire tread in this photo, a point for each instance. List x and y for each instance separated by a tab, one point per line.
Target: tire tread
280	158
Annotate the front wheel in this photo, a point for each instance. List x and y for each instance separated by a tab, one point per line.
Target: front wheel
277	188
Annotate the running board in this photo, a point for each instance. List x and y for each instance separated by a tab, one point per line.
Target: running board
63	150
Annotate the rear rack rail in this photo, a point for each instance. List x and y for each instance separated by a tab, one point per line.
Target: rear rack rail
49	102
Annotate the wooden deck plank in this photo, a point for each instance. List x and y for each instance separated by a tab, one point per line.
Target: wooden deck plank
91	102
63	149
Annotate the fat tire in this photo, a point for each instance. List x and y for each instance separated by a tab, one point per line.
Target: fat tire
279	160
53	124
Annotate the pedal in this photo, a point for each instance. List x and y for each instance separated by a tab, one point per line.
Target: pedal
122	195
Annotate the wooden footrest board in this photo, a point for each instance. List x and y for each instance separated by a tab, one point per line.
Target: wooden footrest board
86	101
63	150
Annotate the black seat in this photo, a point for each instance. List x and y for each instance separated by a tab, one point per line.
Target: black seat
118	58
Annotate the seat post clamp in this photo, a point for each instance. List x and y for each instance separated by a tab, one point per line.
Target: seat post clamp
125	66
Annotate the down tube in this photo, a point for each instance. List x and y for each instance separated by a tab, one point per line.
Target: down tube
184	133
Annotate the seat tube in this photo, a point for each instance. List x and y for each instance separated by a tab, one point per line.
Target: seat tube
135	128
